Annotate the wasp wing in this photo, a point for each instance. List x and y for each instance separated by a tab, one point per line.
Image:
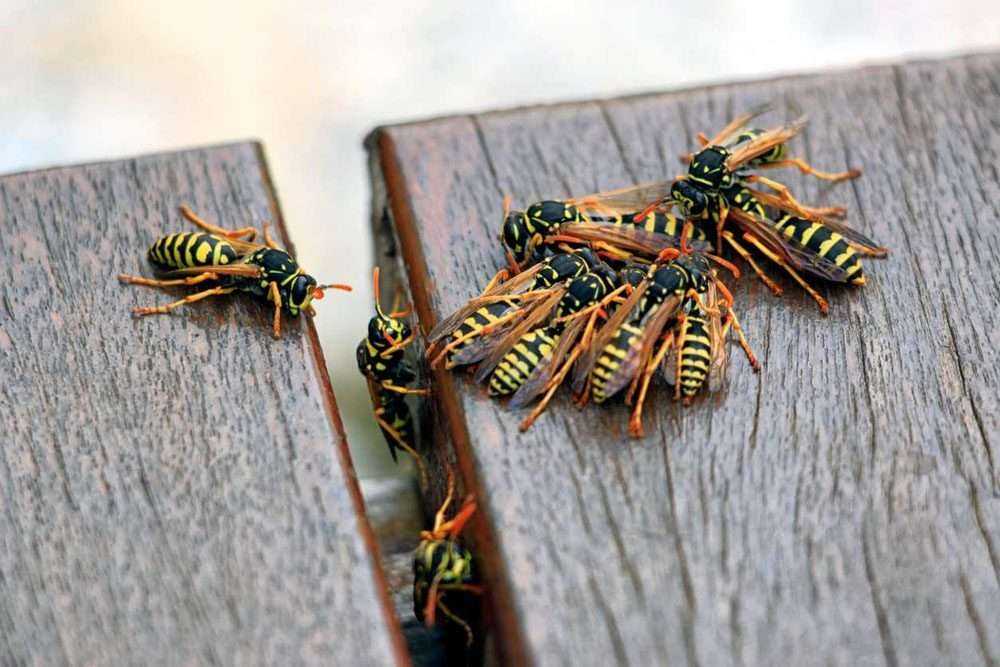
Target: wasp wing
737	124
761	144
853	236
605	334
538	380
497	293
539	311
797	256
624	200
717	337
638	354
236	269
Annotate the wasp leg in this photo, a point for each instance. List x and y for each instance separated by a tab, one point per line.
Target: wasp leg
276	298
268	239
773	286
824	307
793	204
404	390
152	310
807	169
149	282
249	232
635	422
402	444
469	637
741	337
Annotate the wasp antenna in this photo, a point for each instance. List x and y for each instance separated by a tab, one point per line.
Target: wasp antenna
375	289
340	286
463	516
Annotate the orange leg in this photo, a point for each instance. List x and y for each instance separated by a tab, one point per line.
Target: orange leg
276	299
268	240
249	232
751	357
153	310
404	390
805	168
149	282
773	286
635	422
824	307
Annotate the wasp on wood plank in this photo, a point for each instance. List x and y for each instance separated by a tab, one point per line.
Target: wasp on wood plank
442	566
798	238
231	261
463	337
612	223
382	360
680	304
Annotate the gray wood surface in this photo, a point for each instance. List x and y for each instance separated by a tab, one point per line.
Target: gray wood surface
174	489
842	507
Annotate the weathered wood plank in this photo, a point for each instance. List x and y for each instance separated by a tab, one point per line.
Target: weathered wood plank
175	489
843	506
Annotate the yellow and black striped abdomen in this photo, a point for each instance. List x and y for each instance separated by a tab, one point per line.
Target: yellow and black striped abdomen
190	249
515	367
611	358
696	354
825	242
477	321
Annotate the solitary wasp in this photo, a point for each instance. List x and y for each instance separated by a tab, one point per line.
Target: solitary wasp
800	238
381	359
613	223
676	305
231	260
441	565
505	302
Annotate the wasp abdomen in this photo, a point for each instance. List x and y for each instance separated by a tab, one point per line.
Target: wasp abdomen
515	367
696	354
825	242
190	249
611	358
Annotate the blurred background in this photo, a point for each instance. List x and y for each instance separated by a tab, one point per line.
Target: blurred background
86	81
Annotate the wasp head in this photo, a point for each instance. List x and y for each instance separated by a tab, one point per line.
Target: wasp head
692	200
515	234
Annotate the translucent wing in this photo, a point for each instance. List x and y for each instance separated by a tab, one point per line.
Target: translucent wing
623	200
852	235
492	295
719	363
797	256
235	269
478	348
737	124
538	380
763	143
605	334
540	310
638	355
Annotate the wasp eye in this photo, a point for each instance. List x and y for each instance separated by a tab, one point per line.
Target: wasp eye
302	290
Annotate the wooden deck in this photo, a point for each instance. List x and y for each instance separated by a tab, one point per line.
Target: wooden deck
843	507
175	489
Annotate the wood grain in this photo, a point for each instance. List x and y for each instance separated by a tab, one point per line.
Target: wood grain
174	489
841	508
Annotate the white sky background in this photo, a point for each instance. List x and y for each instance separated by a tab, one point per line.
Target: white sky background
86	81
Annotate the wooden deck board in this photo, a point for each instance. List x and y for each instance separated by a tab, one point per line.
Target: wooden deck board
844	505
175	489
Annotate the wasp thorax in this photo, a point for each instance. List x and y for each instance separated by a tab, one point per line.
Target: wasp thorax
550	212
691	200
708	167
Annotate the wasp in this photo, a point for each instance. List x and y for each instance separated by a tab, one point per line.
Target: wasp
381	359
233	262
441	565
799	239
614	223
503	303
680	304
